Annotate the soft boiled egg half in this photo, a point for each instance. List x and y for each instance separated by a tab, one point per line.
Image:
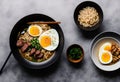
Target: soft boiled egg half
106	46
34	30
49	40
105	55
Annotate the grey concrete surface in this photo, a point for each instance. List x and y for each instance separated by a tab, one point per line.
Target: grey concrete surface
61	10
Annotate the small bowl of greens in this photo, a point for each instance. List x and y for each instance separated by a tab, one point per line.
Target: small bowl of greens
75	53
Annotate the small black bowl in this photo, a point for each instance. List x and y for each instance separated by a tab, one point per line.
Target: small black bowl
86	4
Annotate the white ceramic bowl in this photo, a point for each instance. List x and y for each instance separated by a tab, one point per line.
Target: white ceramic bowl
105	35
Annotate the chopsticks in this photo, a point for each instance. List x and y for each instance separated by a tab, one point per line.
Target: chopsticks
5	63
40	22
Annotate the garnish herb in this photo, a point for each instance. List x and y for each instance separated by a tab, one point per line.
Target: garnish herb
35	44
75	53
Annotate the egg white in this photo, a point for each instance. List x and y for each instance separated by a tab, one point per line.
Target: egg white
53	34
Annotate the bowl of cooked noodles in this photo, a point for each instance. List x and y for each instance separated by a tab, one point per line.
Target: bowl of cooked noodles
88	16
36	43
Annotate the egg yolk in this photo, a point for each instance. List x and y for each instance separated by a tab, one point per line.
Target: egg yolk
45	41
34	30
107	48
105	57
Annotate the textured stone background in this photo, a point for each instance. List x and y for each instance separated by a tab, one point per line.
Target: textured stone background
62	10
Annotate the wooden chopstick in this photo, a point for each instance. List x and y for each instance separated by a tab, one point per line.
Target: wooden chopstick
49	22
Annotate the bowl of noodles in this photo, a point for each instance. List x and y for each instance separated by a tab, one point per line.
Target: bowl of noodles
88	16
36	46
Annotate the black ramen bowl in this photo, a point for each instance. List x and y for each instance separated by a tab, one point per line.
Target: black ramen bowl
20	26
84	5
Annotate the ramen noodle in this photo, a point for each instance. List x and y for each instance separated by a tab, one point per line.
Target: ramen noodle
88	17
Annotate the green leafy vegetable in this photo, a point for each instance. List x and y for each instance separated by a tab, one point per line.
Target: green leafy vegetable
75	53
35	44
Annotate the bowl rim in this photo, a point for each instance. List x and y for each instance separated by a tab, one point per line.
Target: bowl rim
92	45
89	28
72	60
